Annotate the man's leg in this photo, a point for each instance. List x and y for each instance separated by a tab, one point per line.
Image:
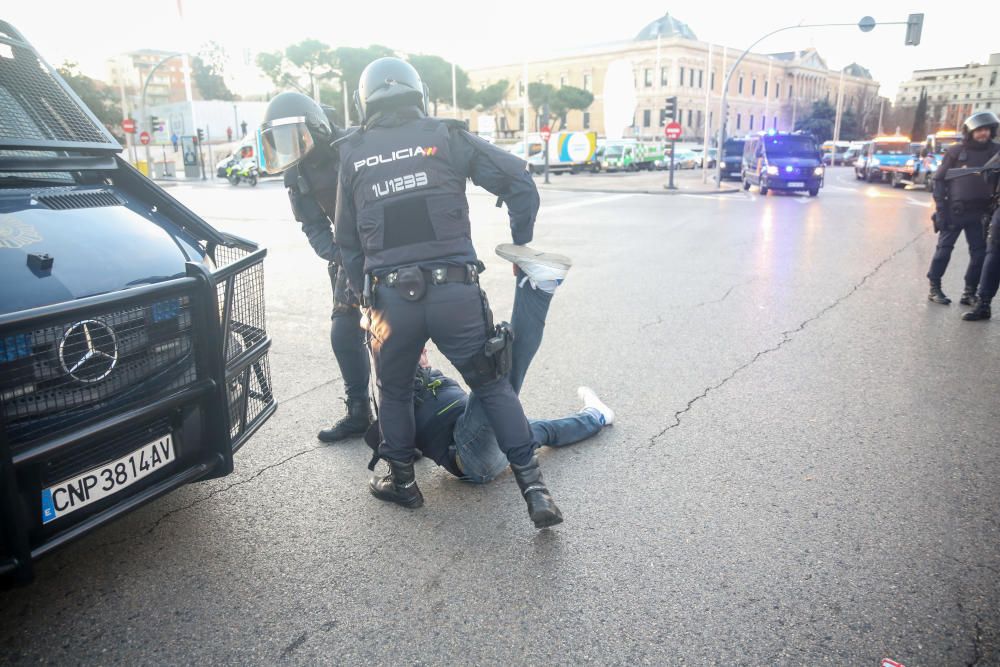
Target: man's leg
942	254
348	342
567	430
990	277
975	237
398	336
455	321
531	306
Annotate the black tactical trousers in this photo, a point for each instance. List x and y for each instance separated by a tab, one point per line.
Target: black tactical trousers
972	225
347	338
452	316
990	280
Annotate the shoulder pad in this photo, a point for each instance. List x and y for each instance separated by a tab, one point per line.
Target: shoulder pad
455	124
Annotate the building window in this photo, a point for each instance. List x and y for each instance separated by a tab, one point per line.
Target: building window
699	119
646	117
753	91
691	78
711	81
520	121
663	117
739	88
562	80
765	88
790	89
739	121
701	78
751	121
689	118
711	119
993	78
586	120
775	123
588	81
647	77
664	76
520	87
681	82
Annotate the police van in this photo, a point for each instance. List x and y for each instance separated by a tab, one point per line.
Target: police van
133	346
785	161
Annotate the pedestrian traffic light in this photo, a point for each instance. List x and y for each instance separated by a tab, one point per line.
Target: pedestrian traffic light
201	135
914	26
670	108
154	124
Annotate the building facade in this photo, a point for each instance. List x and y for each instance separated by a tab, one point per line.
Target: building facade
667	60
954	93
166	84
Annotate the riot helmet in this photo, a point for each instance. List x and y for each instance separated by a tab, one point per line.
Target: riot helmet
978	120
293	125
389	83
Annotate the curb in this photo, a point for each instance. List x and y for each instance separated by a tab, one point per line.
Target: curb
669	193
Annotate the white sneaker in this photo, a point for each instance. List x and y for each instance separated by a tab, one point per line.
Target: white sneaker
590	400
545	270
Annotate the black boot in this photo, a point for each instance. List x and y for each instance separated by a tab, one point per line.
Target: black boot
936	295
980	312
969	296
541	508
399	486
353	425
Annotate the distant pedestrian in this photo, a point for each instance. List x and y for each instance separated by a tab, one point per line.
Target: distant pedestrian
174	139
229	134
243	127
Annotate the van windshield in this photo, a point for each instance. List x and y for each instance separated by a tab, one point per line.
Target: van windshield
892	148
797	147
733	148
614	151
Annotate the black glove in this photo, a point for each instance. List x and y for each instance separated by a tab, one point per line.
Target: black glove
941	220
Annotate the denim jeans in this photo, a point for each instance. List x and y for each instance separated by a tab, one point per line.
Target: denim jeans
475	444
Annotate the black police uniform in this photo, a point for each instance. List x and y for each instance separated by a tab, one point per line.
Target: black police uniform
961	205
990	279
403	218
312	190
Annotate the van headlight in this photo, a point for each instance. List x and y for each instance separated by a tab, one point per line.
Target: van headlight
818	171
772	170
874	162
910	162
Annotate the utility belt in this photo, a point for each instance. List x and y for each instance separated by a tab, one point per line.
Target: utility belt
971	206
412	281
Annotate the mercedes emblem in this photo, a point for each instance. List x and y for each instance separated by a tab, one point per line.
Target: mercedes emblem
88	351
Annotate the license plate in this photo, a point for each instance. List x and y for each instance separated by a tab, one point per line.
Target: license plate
796	184
106	480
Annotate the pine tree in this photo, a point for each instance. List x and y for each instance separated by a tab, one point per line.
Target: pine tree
920	118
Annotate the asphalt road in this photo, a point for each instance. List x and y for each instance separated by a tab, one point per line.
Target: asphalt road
803	470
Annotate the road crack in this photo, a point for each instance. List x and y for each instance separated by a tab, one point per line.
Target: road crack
728	292
786	337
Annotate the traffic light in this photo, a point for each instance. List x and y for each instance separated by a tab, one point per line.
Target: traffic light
154	124
201	135
670	108
914	26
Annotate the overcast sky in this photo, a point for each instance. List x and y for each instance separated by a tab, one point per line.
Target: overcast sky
481	33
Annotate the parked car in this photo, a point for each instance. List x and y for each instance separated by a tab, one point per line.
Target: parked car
133	347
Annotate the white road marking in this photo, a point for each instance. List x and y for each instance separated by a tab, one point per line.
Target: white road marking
586	202
916	202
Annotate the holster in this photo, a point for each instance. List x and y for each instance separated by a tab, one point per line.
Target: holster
411	283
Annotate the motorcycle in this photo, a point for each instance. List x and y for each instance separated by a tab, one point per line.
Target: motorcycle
245	171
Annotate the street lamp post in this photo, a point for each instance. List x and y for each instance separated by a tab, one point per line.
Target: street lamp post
145	117
866	25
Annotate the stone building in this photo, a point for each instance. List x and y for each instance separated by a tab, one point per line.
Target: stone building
953	93
667	59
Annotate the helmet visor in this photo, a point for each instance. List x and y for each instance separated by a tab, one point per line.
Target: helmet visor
285	141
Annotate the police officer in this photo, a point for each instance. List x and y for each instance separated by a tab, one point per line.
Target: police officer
297	137
403	227
961	204
990	279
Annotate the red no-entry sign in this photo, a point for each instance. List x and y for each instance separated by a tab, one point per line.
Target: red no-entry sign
672	130
128	125
144	138
546	133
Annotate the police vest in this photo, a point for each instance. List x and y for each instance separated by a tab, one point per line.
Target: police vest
409	201
973	189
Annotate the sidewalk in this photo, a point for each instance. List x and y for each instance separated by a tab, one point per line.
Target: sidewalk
642	182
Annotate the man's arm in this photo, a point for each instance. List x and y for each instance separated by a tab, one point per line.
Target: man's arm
316	224
940	186
347	238
502	174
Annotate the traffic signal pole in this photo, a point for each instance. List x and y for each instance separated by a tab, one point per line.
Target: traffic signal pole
914	25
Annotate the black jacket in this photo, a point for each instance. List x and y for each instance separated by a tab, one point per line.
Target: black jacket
971	190
489	167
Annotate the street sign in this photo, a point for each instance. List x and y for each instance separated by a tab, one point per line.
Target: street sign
129	126
546	133
144	138
867	24
672	130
